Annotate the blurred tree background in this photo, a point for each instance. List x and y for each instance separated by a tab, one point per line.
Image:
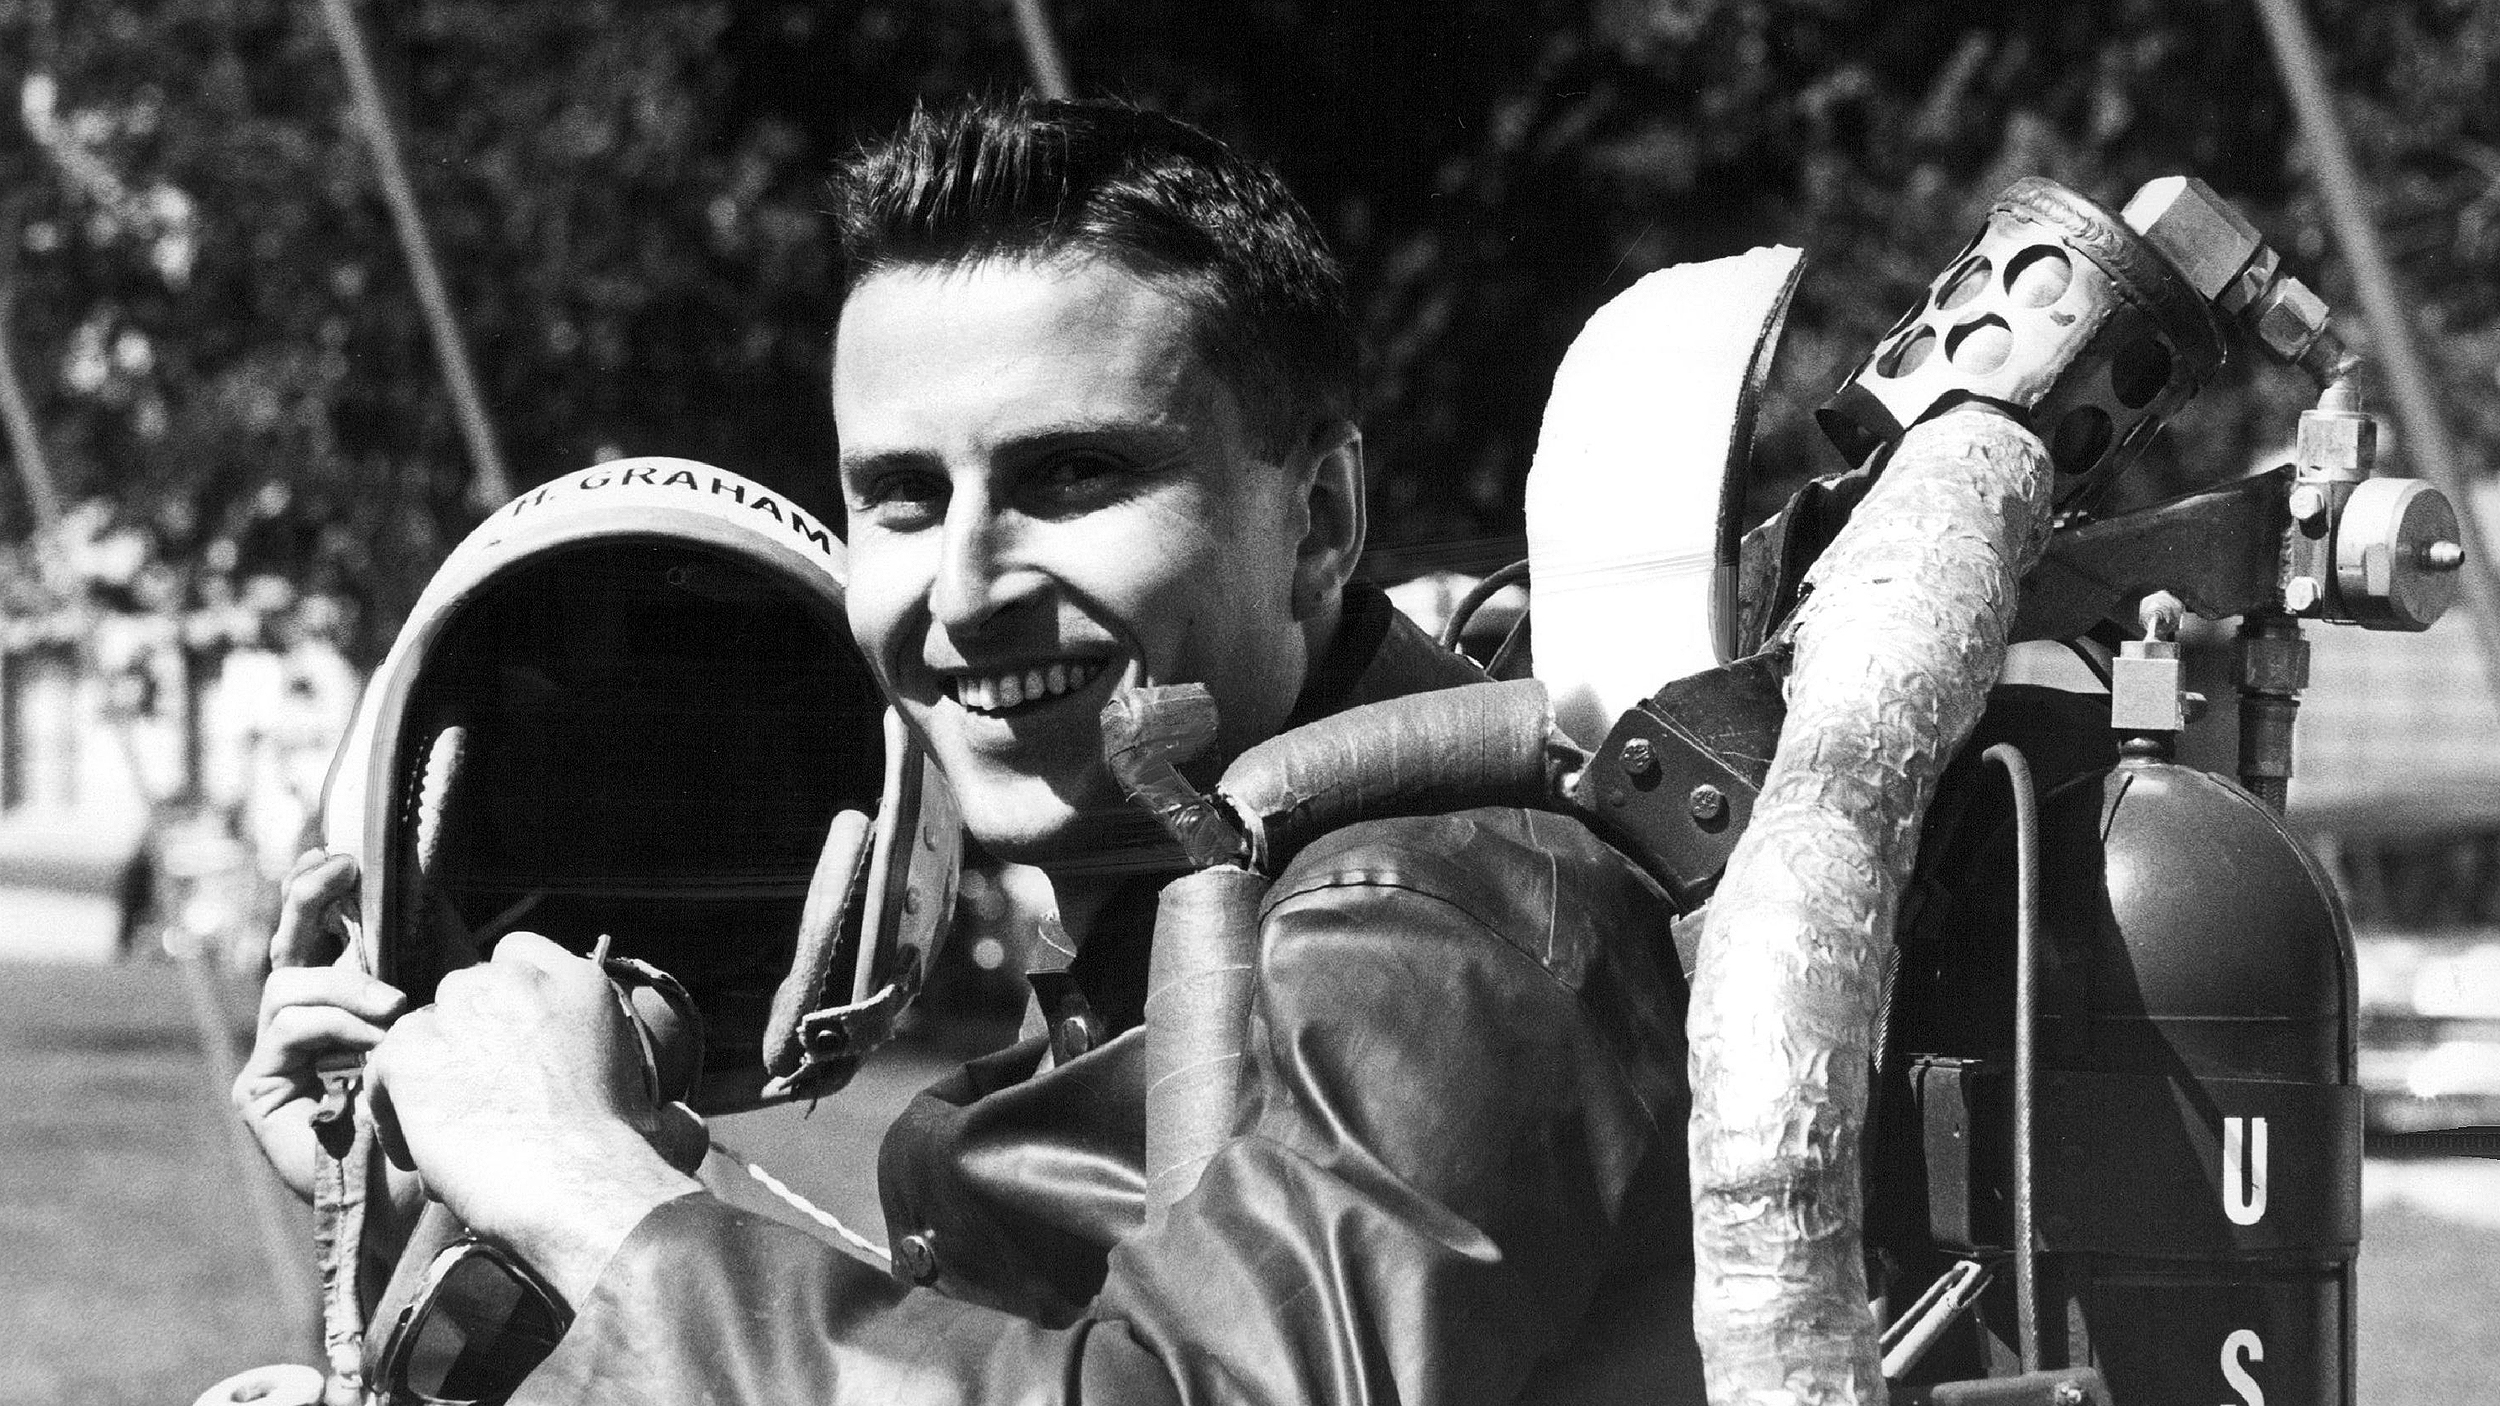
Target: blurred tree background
218	335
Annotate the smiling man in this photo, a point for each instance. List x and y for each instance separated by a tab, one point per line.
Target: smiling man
1053	494
1093	378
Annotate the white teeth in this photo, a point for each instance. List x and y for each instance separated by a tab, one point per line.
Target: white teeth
999	692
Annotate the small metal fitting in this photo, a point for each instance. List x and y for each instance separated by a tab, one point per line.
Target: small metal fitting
2289	319
2335	446
2276	661
2224	258
917	1258
2198	231
1640	759
2068	1394
1707	804
2159	614
2307	504
2145	693
2300	594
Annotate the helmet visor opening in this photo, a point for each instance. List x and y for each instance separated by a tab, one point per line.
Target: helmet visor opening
641	738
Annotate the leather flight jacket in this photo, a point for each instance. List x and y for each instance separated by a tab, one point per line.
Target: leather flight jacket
1456	1170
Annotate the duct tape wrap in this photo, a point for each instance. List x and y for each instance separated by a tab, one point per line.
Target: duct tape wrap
1895	650
1197	1022
1487	744
1148	733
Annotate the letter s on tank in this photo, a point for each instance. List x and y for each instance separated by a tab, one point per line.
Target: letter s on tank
2235	1372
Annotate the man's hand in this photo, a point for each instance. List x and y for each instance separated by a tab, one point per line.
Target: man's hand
520	1096
312	1009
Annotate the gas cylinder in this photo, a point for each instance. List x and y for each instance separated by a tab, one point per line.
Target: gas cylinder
2197	1128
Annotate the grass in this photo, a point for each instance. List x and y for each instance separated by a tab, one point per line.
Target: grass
131	1269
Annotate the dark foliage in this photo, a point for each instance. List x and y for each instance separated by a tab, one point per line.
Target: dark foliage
626	196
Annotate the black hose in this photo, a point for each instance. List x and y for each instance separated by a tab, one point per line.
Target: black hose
2026	991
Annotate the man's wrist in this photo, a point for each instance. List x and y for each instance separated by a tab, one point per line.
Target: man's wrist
583	1205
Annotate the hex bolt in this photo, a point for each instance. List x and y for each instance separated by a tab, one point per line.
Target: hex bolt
1640	760
2307	503
2300	594
1707	804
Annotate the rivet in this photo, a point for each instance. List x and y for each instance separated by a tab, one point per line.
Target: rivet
917	1258
2300	593
1074	1036
1640	760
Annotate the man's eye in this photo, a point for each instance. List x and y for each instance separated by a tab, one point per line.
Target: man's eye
899	502
1078	481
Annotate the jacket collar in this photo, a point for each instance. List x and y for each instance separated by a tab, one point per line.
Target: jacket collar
1378	654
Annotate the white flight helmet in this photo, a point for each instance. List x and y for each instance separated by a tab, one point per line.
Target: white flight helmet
629	705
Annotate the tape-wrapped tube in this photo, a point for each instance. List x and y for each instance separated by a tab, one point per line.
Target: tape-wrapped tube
1488	744
1197	1020
1895	650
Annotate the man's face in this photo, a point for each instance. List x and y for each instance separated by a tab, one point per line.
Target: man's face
1052	497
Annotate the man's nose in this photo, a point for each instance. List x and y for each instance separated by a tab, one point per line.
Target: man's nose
981	570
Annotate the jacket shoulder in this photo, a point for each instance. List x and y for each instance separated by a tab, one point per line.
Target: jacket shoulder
1540	881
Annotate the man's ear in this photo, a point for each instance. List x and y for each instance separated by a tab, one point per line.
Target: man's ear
1334	523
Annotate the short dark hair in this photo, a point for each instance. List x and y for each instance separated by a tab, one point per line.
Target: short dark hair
1027	178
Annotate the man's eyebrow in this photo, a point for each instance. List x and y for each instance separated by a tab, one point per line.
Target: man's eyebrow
1157	440
1160	442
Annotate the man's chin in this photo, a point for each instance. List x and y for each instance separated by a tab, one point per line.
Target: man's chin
1116	839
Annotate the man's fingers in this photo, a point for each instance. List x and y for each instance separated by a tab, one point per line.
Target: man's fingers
344	988
312	890
386	1131
304	861
414	1045
297	1036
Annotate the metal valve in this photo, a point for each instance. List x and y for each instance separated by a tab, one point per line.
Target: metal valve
2396	555
2224	257
2381	553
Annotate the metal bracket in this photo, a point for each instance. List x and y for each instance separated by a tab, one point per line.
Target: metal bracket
1675	782
2219	550
835	1040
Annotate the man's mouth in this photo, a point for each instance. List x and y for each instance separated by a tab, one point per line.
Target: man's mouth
998	693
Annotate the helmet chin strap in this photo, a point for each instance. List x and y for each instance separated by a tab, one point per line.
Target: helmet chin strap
888	884
832	1042
833	895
